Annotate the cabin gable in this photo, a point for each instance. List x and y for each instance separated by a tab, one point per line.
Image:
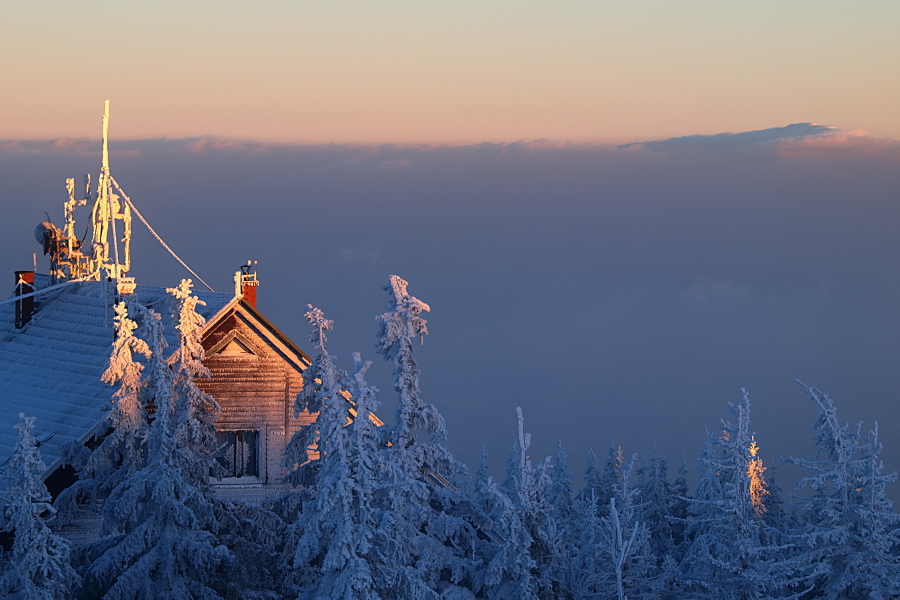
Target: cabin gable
255	378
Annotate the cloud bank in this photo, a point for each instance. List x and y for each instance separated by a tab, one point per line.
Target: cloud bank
788	139
616	293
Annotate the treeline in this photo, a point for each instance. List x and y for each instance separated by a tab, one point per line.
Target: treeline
388	512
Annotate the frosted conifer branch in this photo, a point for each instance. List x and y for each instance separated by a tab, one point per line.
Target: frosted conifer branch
39	567
316	318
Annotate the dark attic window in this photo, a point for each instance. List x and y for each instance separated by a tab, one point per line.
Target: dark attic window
238	453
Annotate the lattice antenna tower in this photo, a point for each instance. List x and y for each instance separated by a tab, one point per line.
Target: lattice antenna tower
69	258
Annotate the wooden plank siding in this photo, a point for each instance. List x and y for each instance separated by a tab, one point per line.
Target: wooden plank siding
255	384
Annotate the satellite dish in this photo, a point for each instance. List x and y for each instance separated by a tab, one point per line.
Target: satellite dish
44	234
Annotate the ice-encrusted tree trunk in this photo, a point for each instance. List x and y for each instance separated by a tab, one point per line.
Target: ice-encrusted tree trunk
849	534
122	451
620	546
162	527
612	557
626	541
39	568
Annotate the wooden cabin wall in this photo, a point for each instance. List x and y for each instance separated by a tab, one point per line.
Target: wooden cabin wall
256	392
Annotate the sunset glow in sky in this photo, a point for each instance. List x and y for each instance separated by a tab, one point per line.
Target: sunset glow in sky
456	72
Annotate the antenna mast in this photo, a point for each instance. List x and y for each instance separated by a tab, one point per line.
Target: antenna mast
68	258
107	209
104	166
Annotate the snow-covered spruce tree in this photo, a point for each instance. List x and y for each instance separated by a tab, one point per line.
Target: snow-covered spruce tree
586	567
121	451
849	534
364	458
302	453
127	414
611	477
732	554
588	573
559	528
681	487
514	572
560	494
319	380
663	509
775	512
39	568
398	328
486	505
195	410
592	476
162	528
620	544
679	507
255	537
422	541
627	541
336	527
613	558
600	482
705	535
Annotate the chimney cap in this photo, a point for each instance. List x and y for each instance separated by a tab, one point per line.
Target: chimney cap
24	277
246	283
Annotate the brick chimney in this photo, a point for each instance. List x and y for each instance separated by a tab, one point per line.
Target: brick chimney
246	283
24	306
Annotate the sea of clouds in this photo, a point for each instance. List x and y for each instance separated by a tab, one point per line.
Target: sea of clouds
614	292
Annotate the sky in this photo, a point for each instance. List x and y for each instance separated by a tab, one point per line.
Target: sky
459	72
620	213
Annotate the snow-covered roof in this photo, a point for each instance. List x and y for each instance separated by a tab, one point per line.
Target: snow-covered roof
51	368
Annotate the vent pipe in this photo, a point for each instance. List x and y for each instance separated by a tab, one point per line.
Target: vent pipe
246	283
24	306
